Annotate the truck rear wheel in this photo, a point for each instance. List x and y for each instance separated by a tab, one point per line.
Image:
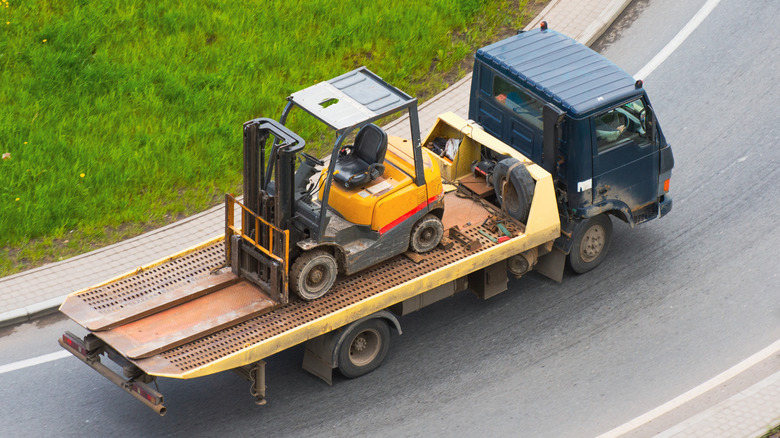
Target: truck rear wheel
591	243
364	348
313	274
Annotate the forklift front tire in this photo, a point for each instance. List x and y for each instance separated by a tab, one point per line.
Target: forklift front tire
426	234
313	274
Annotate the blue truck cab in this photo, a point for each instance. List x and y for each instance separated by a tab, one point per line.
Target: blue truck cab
585	120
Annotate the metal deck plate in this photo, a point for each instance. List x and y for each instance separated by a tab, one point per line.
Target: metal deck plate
346	292
150	291
188	321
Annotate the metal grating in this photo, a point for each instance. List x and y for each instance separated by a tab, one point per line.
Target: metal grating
155	281
346	291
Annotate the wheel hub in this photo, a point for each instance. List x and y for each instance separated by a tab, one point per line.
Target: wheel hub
592	243
315	276
360	343
364	347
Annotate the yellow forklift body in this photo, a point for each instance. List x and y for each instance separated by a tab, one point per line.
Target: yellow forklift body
393	196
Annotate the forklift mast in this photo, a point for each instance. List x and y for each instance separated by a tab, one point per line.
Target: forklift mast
281	160
260	250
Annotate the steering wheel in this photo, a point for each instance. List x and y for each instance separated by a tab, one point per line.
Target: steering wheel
311	160
520	110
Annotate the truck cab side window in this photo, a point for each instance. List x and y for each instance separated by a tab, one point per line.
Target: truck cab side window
625	122
525	106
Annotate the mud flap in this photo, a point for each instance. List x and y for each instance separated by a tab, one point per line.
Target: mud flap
551	265
321	355
318	356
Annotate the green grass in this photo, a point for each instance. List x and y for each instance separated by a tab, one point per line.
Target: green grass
121	116
772	433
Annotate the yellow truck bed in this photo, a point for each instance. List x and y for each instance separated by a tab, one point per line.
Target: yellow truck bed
146	317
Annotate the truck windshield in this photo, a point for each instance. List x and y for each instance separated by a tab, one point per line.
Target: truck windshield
524	105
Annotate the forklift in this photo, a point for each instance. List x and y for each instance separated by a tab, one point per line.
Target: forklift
370	201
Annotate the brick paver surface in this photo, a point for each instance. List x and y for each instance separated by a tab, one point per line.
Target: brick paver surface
58	279
749	414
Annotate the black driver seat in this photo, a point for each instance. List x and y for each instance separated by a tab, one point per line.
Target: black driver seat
364	164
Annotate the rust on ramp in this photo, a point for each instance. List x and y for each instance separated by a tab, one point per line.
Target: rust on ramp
149	289
96	321
189	321
346	292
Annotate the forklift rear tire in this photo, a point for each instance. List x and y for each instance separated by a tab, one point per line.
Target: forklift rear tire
591	243
426	234
364	348
313	274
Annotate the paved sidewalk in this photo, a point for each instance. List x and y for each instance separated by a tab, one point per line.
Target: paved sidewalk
749	414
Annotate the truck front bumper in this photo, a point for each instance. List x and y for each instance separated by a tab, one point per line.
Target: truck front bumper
664	205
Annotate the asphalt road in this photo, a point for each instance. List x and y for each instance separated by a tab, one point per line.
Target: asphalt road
677	301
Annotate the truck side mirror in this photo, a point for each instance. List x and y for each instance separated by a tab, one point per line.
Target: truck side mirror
647	117
551	117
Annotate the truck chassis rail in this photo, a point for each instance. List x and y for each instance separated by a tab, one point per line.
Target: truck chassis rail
134	385
229	348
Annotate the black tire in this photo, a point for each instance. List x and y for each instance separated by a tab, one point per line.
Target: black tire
500	177
514	190
426	234
364	348
591	243
313	274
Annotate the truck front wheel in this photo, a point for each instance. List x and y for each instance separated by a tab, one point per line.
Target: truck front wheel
364	348
591	243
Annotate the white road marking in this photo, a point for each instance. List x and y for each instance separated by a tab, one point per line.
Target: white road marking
695	392
678	39
33	361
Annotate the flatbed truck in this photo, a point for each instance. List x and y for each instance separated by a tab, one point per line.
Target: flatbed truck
199	312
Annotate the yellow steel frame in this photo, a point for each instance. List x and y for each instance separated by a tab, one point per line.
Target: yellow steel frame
543	227
154	264
231	229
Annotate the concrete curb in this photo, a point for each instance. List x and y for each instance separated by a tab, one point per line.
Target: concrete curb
608	15
606	18
109	247
31	312
46	307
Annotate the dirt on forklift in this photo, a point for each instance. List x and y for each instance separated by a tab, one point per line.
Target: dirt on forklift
370	201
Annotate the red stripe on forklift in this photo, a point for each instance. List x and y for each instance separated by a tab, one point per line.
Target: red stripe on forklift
392	224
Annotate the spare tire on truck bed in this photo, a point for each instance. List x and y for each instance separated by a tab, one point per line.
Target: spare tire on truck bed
514	187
